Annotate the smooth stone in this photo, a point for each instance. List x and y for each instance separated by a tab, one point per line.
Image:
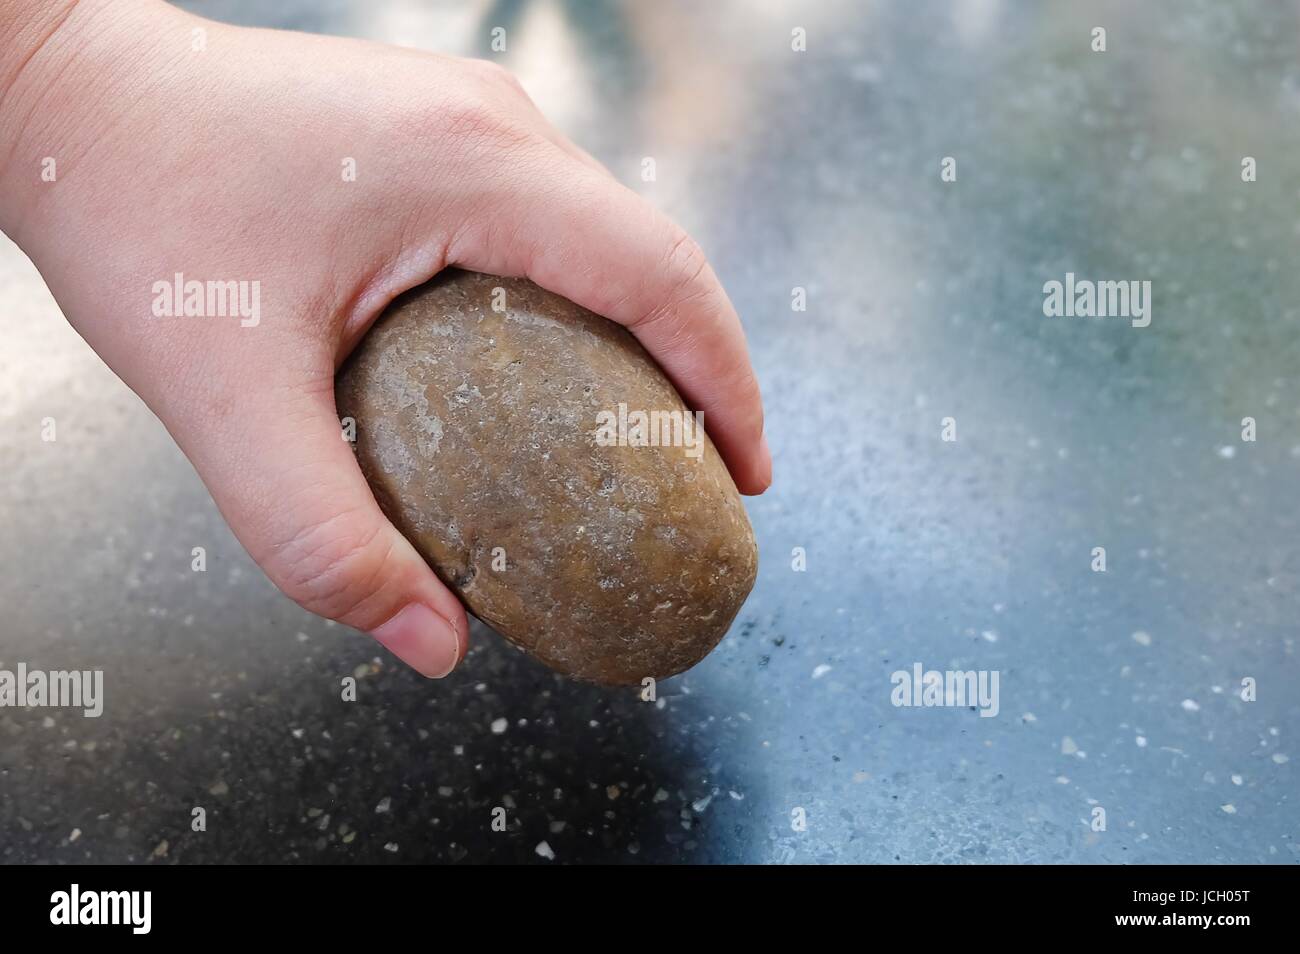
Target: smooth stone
481	432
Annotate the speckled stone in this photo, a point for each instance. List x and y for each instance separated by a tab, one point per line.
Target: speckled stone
478	404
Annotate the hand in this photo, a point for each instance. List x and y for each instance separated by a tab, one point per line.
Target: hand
227	162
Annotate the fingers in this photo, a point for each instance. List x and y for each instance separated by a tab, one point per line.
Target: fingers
582	235
298	502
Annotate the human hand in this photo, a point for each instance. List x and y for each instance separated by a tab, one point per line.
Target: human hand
228	163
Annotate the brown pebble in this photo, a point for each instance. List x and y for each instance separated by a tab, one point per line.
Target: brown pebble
480	429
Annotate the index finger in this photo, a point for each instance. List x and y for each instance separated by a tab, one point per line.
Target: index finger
600	245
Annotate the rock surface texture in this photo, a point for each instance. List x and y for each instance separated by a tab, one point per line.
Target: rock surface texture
478	405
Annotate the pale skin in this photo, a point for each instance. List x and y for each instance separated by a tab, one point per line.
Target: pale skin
225	163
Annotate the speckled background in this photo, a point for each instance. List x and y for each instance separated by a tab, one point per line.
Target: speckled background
1118	690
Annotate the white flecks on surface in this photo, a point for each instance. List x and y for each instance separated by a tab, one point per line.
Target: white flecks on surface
499	726
820	671
544	850
1142	638
1141	741
1229	809
1069	746
1191	705
1280	758
1227	452
384	805
1236	780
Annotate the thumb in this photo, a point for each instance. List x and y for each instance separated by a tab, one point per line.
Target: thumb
293	494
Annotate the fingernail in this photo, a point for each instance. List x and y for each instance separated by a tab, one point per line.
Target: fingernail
422	639
767	458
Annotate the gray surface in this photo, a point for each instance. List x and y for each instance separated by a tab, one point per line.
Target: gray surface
820	170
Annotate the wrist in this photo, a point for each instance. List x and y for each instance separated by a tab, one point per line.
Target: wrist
24	24
26	27
60	63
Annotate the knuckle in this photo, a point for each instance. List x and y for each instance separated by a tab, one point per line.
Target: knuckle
683	265
331	569
483	129
468	115
496	73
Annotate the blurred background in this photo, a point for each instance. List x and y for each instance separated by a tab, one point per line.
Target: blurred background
819	170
